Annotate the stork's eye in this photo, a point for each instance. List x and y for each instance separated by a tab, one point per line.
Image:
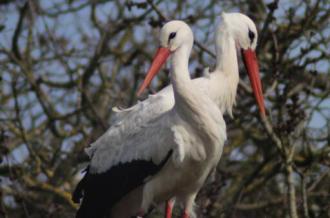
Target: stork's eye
251	36
171	36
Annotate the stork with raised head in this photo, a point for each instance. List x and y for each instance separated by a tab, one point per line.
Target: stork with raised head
148	116
236	32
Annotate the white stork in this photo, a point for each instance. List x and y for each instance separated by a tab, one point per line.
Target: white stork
170	156
122	149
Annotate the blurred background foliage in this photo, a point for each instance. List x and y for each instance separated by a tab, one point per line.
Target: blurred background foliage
64	64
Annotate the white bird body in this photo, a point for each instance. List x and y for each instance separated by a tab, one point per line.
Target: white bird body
147	120
180	129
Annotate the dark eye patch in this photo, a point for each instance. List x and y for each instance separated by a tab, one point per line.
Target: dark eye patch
251	36
171	36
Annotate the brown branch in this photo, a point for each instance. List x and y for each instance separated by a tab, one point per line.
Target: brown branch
272	7
165	18
292	191
18	31
260	205
230	205
66	196
63	85
101	48
156	9
203	48
270	131
304	196
273	202
32	152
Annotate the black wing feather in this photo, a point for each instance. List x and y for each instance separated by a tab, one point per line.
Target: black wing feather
101	191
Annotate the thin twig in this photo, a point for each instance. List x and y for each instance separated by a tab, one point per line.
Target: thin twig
292	191
272	7
304	196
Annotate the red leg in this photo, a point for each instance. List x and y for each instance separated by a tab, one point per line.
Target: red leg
169	208
140	214
185	214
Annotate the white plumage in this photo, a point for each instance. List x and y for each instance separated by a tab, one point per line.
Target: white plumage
149	119
194	129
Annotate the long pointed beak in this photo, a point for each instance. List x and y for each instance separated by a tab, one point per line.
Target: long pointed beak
251	65
159	59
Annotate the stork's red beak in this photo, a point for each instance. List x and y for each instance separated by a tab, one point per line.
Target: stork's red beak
251	65
159	59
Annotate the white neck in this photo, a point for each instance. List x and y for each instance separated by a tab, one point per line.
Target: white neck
180	77
190	103
226	67
226	51
186	97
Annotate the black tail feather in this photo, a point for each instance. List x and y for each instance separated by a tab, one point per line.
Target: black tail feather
93	208
77	194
